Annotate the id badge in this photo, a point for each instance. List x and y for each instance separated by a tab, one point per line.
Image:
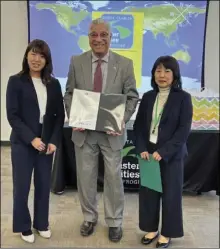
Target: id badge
153	138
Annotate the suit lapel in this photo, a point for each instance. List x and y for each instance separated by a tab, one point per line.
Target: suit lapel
150	106
33	91
112	70
151	100
87	71
49	94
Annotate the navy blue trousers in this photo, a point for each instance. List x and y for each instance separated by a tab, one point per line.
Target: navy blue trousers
25	161
171	198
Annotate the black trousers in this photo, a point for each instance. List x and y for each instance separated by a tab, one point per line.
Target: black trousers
25	160
149	201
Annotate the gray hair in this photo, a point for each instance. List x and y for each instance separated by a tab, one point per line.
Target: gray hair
100	21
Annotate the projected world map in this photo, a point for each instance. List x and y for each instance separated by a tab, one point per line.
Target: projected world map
175	28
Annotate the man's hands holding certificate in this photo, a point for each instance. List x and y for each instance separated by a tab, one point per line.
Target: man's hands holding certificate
113	133
78	129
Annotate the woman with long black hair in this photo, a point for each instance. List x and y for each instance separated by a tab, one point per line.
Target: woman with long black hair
34	102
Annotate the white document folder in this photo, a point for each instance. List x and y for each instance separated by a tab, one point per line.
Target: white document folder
97	111
84	109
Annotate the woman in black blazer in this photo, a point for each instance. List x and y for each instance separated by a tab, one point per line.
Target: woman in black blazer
161	128
35	112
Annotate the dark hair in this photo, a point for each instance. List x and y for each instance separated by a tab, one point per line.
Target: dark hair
171	63
41	47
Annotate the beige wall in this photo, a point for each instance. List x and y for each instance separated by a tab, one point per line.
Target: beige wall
14	39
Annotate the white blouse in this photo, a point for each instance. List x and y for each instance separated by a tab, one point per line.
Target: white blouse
41	92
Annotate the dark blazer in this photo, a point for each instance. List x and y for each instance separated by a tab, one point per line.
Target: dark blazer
23	111
174	127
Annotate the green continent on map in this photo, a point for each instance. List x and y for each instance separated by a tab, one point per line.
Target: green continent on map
124	32
165	18
182	55
83	43
65	15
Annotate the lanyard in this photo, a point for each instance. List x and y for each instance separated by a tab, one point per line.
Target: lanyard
156	117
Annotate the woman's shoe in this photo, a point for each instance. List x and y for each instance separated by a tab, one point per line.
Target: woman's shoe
147	241
45	234
163	245
28	236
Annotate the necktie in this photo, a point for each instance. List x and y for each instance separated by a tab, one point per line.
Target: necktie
98	77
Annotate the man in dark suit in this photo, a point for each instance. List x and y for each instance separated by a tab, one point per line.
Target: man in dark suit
104	71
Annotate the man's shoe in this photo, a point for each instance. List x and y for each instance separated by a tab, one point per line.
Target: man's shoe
163	245
87	228
115	234
147	241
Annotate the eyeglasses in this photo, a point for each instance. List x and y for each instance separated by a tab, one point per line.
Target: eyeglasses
103	35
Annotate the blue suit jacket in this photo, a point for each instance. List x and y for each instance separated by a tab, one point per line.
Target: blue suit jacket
23	111
174	127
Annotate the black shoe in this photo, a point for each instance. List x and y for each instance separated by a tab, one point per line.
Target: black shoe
87	228
163	245
147	241
115	234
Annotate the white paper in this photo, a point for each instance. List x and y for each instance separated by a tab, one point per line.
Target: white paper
153	138
84	109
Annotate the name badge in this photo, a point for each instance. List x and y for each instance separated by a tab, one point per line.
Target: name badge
153	138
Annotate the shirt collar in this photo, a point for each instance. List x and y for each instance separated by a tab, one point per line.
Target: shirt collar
95	58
